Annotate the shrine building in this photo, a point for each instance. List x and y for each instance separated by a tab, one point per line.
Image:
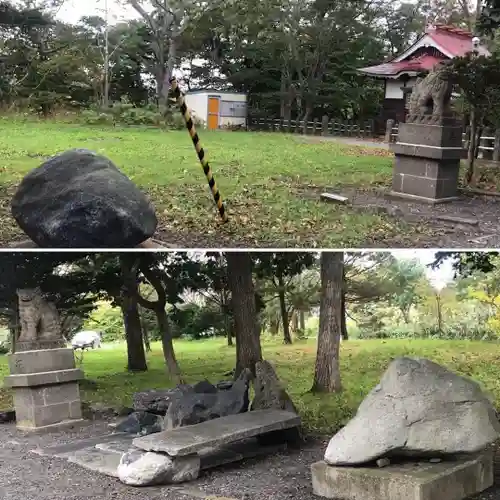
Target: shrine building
438	43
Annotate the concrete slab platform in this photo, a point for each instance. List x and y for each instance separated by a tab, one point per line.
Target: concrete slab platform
217	432
447	480
64	450
102	461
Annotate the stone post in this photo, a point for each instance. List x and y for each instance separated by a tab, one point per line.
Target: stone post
46	390
43	375
324	125
388	130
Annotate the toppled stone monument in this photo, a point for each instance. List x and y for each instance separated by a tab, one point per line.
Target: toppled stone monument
429	145
79	199
43	375
190	404
195	407
419	411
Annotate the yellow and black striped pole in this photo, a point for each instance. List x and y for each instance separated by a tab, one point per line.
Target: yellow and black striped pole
179	97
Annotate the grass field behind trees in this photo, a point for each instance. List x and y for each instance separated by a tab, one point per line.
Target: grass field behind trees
362	364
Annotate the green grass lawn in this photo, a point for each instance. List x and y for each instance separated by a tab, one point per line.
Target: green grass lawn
363	362
271	183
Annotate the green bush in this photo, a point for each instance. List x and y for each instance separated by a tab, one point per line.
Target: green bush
453	331
124	113
109	321
195	322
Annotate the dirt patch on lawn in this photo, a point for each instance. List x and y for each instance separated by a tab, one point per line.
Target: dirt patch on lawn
473	220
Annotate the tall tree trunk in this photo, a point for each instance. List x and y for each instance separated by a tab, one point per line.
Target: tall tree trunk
302	321
471	153
295	321
158	307
287	338
229	333
240	281
343	318
168	345
168	71
327	370
439	312
145	334
274	326
136	355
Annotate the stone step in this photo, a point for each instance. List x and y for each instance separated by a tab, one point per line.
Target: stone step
63	450
105	457
102	461
217	432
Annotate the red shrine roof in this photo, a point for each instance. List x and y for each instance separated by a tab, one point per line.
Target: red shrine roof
436	44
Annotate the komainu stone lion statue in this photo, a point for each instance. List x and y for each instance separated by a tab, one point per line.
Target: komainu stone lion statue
39	320
431	96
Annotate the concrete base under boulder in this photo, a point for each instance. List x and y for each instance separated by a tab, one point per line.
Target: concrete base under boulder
448	480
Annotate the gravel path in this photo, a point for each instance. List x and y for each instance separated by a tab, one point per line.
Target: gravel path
27	476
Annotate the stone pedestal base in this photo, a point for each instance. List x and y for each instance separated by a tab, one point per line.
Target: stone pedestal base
427	162
46	391
447	480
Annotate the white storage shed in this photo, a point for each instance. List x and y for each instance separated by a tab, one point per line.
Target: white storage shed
218	109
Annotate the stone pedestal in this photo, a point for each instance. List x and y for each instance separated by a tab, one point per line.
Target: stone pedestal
447	480
427	161
45	386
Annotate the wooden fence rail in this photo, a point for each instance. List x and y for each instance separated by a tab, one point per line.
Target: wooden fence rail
324	127
488	147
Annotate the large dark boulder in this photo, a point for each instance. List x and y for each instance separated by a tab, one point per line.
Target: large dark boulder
158	400
141	422
194	408
79	199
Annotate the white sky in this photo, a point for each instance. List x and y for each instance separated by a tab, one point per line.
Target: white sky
440	277
73	10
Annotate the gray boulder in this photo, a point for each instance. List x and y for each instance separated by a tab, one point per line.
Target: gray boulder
204	387
138	468
79	199
141	422
418	409
158	400
269	392
194	408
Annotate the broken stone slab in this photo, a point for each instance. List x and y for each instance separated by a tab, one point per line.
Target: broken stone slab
419	408
105	457
102	461
80	199
64	450
450	480
336	198
137	468
192	408
217	432
456	220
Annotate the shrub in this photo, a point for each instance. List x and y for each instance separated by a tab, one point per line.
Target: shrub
124	113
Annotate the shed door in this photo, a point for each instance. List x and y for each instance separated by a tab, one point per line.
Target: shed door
213	112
